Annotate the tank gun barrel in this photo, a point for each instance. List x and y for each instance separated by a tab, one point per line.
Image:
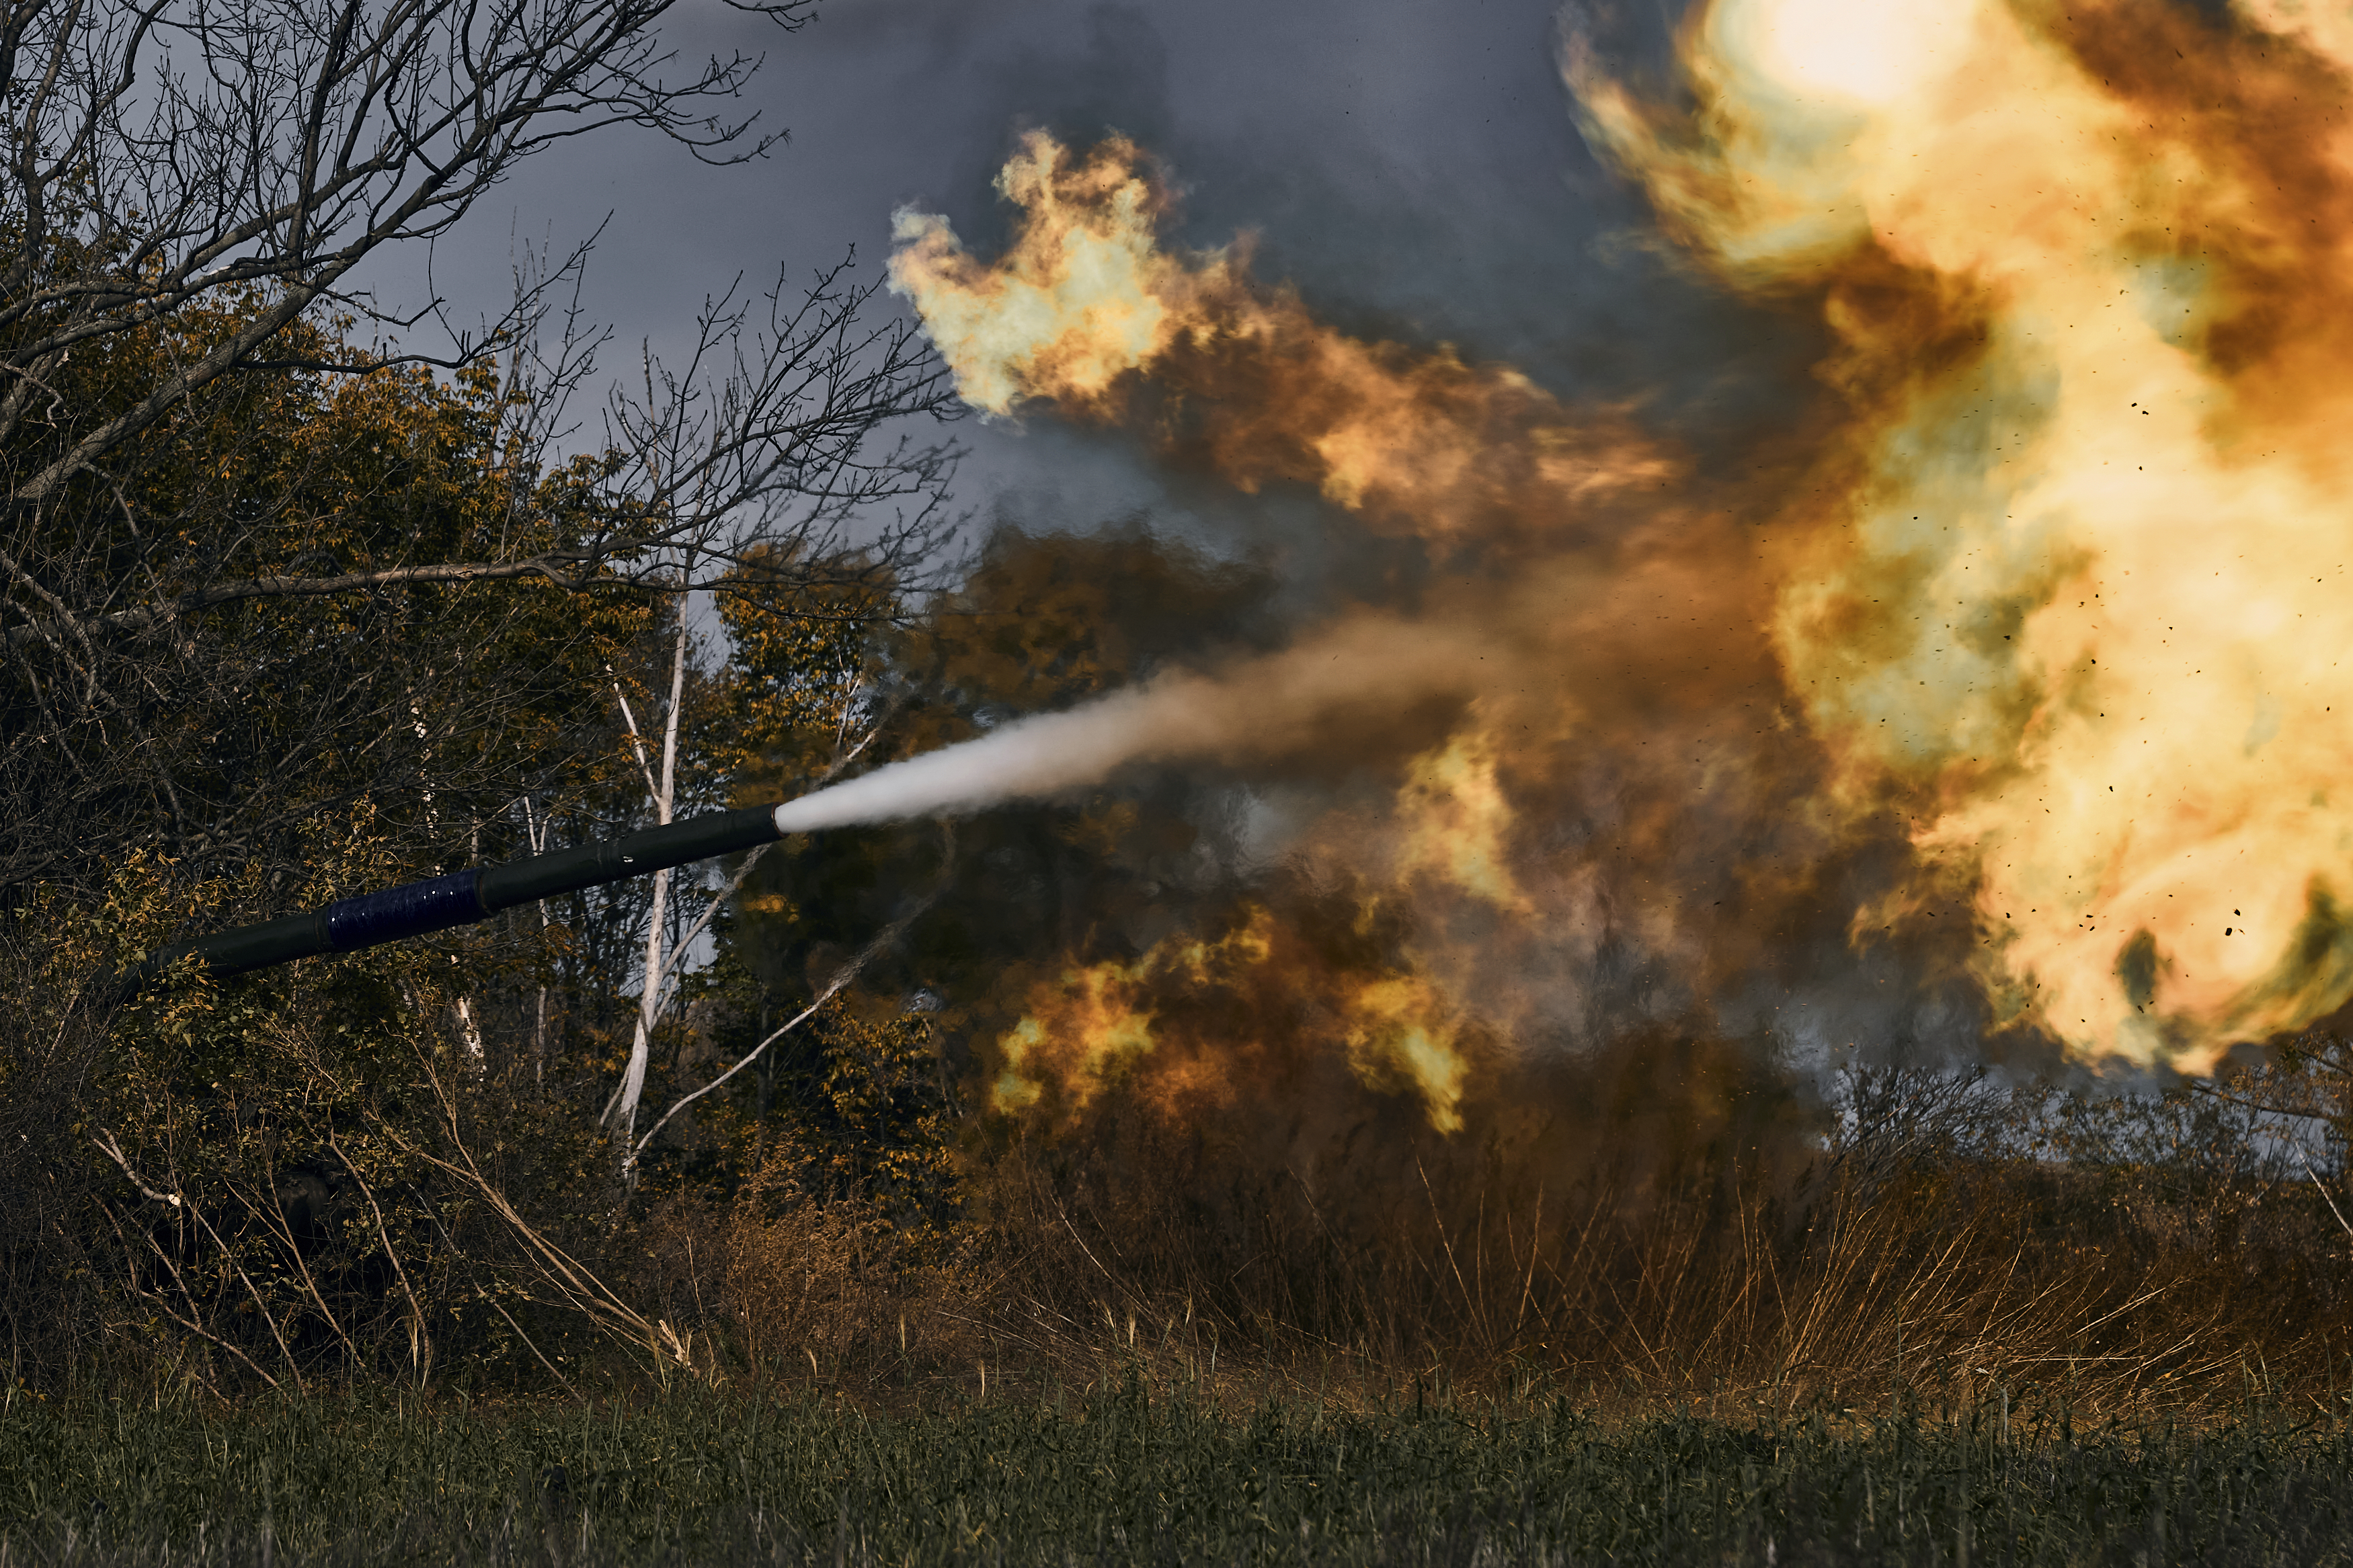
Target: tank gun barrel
462	898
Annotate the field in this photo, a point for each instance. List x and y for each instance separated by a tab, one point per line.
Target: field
1653	1305
1121	1475
1929	1354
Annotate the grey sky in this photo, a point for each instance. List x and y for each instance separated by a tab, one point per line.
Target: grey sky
1409	164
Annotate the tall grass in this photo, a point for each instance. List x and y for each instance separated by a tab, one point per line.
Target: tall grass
1113	1474
1836	1277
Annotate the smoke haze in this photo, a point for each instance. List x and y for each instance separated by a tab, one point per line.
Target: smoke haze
1995	682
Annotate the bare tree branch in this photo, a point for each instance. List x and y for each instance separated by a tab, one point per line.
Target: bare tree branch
233	597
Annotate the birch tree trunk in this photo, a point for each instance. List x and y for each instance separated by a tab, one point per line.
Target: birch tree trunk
535	833
624	1109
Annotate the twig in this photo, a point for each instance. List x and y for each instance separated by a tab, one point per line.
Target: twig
718	902
637	744
192	1324
260	1304
1088	1250
582	1290
2325	1196
107	1146
843	976
276	1221
1444	1241
499	1307
420	1343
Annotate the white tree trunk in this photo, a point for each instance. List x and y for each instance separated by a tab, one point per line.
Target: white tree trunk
624	1109
536	834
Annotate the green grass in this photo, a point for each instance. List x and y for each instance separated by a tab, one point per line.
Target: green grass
1123	1477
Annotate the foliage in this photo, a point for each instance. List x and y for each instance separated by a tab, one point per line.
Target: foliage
920	928
874	1121
196	1163
304	1174
217	737
800	667
256	561
1038	623
289	609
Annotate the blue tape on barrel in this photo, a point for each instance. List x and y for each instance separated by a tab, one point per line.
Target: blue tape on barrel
411	911
464	897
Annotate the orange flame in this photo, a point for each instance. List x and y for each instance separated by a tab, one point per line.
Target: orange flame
1454	821
1084	300
1190	1026
1083	297
2079	578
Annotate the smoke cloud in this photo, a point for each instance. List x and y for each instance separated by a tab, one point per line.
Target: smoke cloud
1573	762
1997	686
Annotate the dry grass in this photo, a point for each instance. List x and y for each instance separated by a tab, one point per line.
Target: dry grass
1730	1275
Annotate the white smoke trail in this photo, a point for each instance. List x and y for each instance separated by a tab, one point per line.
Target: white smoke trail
1037	757
1268	706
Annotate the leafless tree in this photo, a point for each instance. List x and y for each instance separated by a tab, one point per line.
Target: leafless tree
200	643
